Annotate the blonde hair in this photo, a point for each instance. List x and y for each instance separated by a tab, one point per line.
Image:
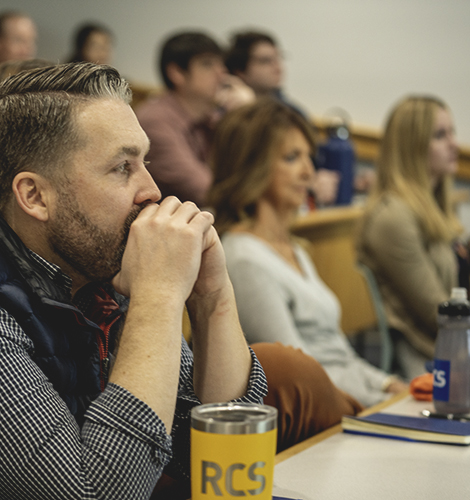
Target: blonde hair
245	146
403	167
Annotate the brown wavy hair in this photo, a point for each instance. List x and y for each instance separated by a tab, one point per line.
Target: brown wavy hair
246	143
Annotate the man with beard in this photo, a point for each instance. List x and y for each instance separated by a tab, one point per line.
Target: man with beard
83	242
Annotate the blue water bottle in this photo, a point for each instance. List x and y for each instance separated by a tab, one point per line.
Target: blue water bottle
338	154
451	373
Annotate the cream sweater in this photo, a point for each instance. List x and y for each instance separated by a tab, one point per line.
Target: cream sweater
277	303
414	274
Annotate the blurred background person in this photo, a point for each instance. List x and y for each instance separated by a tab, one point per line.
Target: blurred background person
93	43
18	35
255	57
262	169
180	123
409	237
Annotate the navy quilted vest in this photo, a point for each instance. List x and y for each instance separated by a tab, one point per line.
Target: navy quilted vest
65	342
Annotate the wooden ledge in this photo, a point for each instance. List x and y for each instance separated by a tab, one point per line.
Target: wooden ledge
328	216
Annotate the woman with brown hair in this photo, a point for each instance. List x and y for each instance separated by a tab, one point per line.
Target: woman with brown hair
262	171
409	228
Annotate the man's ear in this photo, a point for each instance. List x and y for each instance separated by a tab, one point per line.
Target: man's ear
33	194
176	74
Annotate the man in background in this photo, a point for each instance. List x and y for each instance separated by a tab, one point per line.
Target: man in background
17	36
180	123
256	59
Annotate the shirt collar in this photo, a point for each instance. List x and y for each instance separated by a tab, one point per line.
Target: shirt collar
54	272
84	297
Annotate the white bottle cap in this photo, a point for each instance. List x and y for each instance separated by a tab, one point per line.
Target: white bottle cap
459	294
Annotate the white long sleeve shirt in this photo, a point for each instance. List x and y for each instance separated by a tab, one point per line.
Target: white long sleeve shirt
278	303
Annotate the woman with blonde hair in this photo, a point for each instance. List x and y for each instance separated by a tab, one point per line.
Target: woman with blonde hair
409	228
262	172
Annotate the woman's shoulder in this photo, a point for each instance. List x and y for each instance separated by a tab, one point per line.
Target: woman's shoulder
388	201
388	220
243	246
249	257
389	208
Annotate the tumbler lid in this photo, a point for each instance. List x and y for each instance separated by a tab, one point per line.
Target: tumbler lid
458	304
234	418
454	309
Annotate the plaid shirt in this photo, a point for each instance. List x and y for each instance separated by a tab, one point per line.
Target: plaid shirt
120	451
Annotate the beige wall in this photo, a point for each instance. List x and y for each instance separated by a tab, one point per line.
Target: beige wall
361	55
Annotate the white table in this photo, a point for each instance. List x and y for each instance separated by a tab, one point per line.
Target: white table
349	467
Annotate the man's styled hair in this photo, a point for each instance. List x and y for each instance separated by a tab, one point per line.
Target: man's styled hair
9	68
180	49
37	117
239	51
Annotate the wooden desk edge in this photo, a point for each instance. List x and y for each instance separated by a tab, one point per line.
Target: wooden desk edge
332	215
318	438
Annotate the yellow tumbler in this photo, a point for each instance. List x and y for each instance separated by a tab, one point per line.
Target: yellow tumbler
232	451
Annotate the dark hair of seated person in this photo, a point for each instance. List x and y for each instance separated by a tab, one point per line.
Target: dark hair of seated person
181	48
